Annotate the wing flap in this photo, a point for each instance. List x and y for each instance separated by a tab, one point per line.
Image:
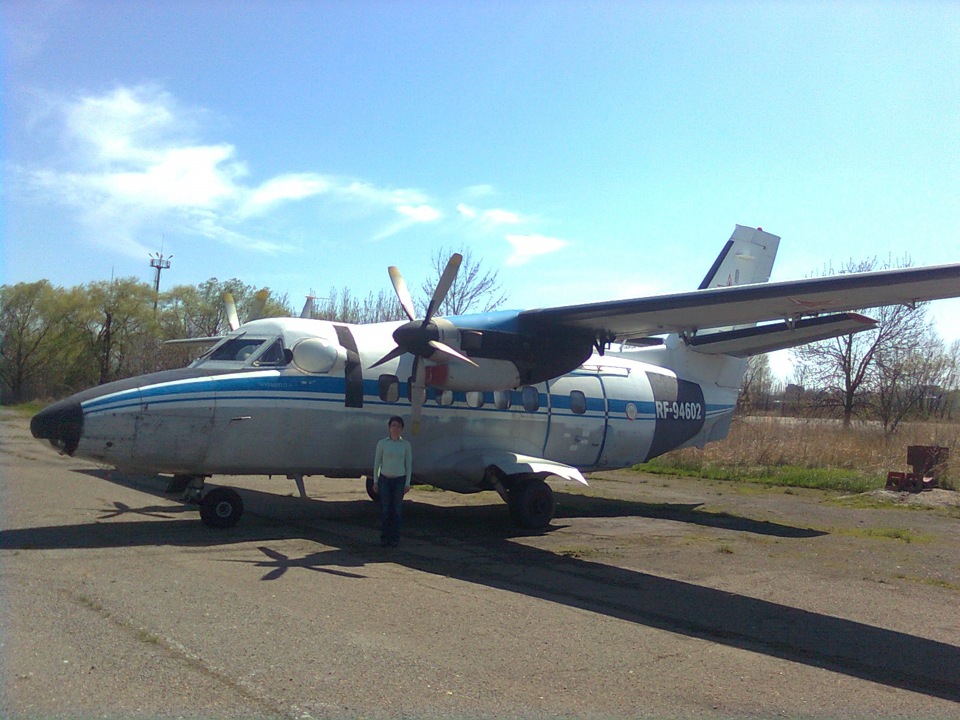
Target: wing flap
780	336
472	464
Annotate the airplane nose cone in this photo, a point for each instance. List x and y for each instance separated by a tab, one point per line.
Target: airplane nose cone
61	424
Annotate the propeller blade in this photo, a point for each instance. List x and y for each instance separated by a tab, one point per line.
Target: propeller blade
230	310
446	280
418	392
395	353
447	350
403	294
259	305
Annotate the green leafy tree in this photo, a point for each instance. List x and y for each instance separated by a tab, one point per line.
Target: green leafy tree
29	338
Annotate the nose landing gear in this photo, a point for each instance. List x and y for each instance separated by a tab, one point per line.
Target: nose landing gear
220	507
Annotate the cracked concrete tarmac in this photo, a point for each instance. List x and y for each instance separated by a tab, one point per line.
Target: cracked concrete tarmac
647	597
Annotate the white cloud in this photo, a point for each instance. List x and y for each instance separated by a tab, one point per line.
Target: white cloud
295	186
493	216
134	163
420	213
501	217
467	211
527	247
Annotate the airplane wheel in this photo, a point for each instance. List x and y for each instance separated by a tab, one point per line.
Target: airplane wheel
221	508
531	504
374	495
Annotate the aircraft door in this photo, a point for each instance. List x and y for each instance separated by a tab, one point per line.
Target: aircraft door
578	420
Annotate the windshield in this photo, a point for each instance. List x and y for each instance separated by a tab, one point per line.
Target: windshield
237	350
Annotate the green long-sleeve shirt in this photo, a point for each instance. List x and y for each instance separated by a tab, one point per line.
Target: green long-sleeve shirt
394	458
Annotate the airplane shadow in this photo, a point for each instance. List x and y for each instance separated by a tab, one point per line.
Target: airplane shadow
570	505
468	543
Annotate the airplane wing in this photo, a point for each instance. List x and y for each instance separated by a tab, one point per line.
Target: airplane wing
690	312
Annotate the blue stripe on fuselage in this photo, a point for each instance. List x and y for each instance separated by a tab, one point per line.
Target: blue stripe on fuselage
272	385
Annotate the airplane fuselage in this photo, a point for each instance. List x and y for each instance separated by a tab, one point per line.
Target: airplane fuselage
245	415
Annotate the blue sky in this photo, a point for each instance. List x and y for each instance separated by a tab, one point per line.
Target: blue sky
590	151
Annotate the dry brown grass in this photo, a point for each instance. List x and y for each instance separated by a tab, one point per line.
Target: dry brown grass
774	441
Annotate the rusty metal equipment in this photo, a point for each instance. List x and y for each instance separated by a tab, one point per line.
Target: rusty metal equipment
927	462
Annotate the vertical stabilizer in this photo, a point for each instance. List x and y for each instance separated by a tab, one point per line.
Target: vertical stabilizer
747	258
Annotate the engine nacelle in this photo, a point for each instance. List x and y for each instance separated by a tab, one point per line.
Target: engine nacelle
488	375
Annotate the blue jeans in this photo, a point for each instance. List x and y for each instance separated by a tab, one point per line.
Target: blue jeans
391	508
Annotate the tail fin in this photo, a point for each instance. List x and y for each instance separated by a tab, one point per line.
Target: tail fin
747	258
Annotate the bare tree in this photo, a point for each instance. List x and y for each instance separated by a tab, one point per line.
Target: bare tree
907	375
343	306
839	373
757	385
476	289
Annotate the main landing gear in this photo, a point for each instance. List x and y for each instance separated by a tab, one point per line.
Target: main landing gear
529	497
531	503
220	507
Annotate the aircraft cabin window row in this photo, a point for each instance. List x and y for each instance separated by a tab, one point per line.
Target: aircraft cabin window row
389	392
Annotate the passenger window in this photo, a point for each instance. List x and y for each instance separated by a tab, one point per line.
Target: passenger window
531	398
501	398
272	356
445	398
578	402
389	388
475	399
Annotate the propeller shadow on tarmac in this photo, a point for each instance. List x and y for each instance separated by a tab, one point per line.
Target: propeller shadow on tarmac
469	543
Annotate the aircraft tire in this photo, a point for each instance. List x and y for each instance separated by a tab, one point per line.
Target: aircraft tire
374	495
221	508
531	503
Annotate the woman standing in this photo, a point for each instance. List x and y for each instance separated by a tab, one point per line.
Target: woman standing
392	467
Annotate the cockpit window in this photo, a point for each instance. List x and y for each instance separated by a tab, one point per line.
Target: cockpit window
273	355
237	350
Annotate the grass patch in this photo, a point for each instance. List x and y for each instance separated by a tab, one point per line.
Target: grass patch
907	536
935	582
27	409
808	453
838	479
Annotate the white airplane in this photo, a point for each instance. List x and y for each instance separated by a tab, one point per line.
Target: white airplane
501	400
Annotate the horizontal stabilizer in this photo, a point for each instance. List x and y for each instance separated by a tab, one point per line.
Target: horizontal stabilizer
779	336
